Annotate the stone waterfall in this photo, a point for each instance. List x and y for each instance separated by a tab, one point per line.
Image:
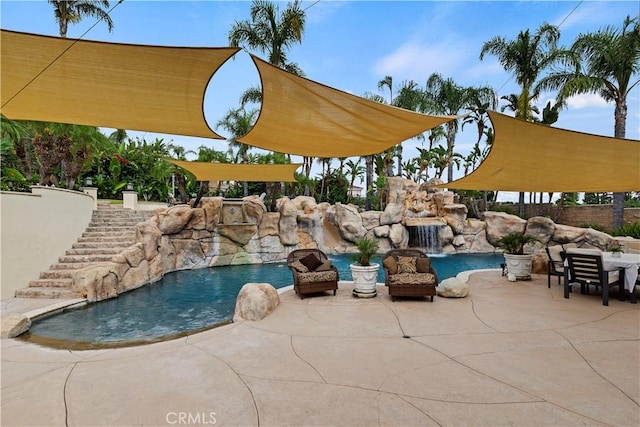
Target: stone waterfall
426	237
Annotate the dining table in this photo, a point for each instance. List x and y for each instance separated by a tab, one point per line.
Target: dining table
628	265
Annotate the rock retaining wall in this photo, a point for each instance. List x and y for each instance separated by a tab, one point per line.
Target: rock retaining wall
181	237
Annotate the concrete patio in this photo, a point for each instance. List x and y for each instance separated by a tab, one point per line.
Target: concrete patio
508	354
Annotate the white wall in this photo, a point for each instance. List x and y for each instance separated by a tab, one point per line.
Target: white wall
36	229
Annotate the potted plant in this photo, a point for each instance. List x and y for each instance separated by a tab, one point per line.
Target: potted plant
363	272
615	248
518	263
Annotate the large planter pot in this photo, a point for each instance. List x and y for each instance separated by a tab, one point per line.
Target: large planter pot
519	266
364	280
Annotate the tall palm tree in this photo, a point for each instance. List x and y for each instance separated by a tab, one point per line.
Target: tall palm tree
72	11
270	32
610	61
527	57
370	160
448	98
354	170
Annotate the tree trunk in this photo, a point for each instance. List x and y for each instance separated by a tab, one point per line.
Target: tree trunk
368	182
521	204
618	210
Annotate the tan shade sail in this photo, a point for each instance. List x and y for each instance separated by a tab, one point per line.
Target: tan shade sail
303	117
536	158
205	171
132	87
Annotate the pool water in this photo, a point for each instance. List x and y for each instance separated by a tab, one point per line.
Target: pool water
191	300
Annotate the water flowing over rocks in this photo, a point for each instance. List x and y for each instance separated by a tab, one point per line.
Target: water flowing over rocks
182	237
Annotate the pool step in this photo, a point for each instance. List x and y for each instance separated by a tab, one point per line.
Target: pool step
111	231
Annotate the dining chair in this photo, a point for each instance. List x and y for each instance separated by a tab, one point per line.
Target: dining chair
587	270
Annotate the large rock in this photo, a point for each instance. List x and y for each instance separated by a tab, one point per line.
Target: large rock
399	236
567	234
452	288
370	219
398	189
596	238
500	224
174	219
149	235
254	209
349	222
288	224
456	216
14	325
255	301
393	214
306	204
212	207
541	228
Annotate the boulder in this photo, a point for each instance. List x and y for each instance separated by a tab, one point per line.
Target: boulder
14	325
174	219
399	236
596	238
398	188
149	235
212	207
349	222
567	234
456	216
306	204
269	224
452	288
382	231
288	223
445	235
541	228
370	219
254	209
539	263
255	301
393	214
500	224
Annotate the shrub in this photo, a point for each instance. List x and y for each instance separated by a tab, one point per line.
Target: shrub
629	229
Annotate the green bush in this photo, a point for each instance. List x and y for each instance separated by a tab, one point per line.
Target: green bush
628	229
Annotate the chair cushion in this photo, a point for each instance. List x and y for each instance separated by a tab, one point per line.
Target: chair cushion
300	268
317	276
406	264
423	265
390	264
324	266
311	262
412	279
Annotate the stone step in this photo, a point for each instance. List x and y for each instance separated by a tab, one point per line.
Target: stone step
85	258
58	274
73	265
94	251
126	222
47	293
103	244
111	234
51	283
104	228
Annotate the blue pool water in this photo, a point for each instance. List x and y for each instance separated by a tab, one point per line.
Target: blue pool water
187	301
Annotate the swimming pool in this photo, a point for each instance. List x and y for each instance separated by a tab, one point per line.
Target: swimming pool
187	301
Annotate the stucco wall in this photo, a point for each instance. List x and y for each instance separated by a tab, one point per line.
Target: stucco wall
36	229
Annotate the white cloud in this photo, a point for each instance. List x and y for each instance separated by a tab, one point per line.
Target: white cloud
415	61
586	101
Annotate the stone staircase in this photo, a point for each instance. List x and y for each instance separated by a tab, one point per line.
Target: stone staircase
112	230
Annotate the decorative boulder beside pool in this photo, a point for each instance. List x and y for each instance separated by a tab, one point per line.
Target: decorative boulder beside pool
255	301
452	288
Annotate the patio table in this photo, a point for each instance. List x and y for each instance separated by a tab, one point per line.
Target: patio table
629	263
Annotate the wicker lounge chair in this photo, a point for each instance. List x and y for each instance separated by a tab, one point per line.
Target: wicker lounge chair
408	273
312	272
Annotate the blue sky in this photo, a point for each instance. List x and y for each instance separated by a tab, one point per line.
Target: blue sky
351	45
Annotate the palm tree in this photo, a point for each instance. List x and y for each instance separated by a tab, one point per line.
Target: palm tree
238	122
270	32
448	98
527	57
354	170
72	11
611	59
370	160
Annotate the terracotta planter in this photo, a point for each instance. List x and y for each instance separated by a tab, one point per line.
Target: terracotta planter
364	279
519	265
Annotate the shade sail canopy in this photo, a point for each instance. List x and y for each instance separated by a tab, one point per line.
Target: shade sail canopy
133	87
205	171
536	158
302	117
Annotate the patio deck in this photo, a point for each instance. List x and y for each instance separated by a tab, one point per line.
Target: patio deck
508	354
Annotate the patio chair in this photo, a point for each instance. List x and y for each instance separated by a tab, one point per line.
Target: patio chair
312	272
587	270
556	256
408	273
